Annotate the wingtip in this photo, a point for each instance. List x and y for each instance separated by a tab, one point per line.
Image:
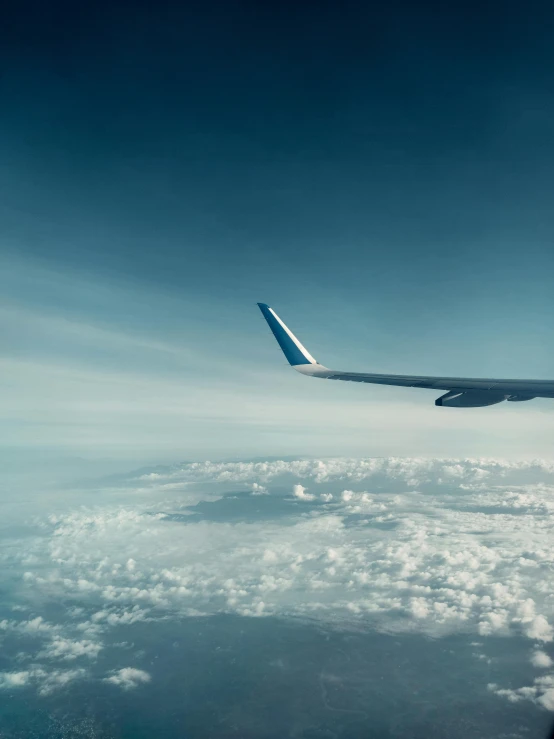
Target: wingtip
293	350
265	309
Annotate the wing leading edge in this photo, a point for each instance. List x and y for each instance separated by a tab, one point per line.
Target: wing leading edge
462	392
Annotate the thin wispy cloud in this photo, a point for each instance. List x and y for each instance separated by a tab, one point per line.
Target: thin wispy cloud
75	382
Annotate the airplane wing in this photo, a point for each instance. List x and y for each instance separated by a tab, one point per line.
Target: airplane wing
462	392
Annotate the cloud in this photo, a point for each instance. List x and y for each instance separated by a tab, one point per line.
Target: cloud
299	491
258	489
68	649
33	627
541	659
426	546
45	681
421	550
128	678
113	617
58	679
470	473
14	679
540	629
541	693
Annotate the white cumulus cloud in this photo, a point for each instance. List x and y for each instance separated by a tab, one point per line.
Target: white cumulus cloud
299	491
45	681
541	659
128	678
69	649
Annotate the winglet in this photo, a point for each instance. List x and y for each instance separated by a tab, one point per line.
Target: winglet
293	350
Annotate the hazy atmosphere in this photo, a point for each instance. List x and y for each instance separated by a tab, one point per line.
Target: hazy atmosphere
195	540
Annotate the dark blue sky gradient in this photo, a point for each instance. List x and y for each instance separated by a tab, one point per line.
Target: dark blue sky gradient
395	136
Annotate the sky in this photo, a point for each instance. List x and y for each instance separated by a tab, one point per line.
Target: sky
379	173
193	537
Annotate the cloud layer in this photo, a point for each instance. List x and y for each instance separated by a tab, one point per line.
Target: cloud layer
398	545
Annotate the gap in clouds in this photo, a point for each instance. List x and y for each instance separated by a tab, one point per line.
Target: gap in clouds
228	675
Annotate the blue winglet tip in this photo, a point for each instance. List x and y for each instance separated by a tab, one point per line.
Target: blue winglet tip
292	349
265	311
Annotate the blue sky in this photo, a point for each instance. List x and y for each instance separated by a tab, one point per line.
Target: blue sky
381	176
